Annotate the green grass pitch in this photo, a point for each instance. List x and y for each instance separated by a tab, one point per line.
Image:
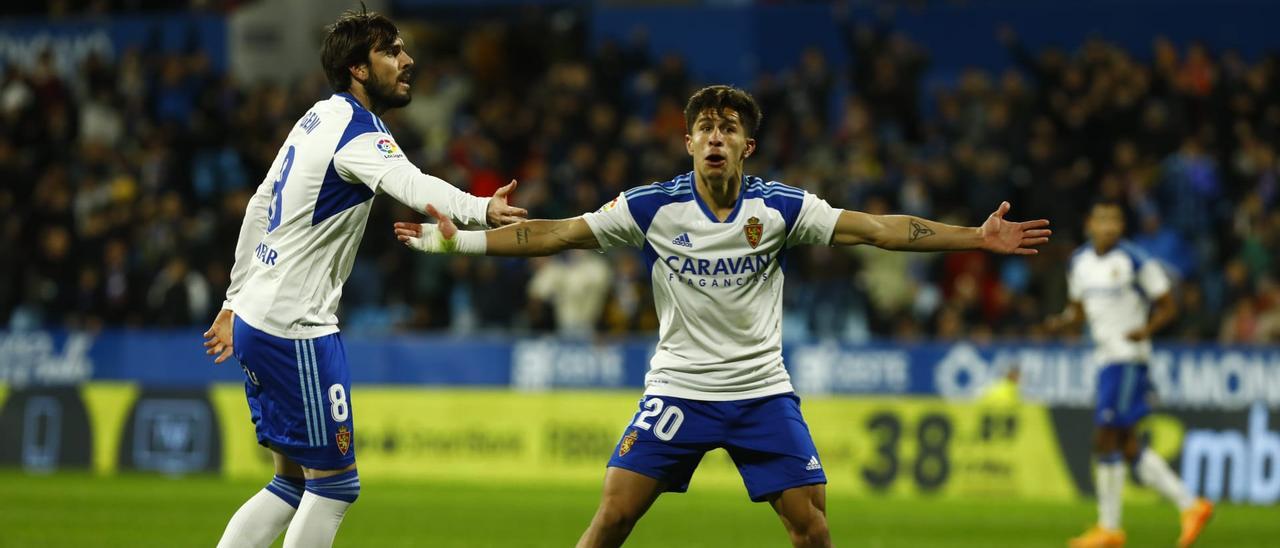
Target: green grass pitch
69	509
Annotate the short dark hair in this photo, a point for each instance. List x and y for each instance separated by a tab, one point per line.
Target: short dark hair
349	41
719	97
1106	202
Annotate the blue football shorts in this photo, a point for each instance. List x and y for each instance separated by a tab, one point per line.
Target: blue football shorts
299	394
1124	395
767	439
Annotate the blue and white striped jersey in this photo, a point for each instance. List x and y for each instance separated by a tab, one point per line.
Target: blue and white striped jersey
717	285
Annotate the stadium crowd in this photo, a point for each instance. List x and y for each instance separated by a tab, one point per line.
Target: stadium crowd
122	184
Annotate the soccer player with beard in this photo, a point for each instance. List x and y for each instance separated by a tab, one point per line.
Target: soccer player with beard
297	243
716	241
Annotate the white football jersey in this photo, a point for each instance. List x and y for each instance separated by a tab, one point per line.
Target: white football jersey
295	254
717	285
1116	290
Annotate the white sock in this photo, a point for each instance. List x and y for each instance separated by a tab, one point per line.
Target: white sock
316	522
1110	484
258	522
1153	471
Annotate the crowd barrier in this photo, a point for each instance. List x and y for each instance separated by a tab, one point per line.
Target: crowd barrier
888	420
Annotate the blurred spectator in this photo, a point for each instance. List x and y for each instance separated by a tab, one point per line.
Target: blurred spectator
179	295
575	285
123	183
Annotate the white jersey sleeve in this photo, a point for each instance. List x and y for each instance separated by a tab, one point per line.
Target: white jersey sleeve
815	224
1075	290
375	160
614	226
416	189
368	157
1153	280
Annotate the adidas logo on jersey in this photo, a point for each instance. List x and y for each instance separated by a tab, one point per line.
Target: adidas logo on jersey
813	464
683	240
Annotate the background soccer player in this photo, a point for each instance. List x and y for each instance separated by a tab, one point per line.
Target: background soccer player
299	237
1113	284
715	241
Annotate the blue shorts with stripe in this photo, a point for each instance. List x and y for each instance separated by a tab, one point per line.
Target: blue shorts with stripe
1124	395
766	437
299	393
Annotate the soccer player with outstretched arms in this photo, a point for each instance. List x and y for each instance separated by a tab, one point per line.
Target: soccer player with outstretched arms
716	241
297	243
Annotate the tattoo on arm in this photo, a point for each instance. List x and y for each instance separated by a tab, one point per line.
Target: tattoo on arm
919	231
522	236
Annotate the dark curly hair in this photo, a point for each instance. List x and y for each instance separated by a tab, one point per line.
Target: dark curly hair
719	97
349	41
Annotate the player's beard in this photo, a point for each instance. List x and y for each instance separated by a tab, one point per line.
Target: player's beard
384	93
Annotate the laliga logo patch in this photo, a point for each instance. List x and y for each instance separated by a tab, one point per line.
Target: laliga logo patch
627	442
343	437
612	204
754	231
388	148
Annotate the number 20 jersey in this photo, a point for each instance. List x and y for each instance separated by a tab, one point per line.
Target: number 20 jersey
320	188
717	286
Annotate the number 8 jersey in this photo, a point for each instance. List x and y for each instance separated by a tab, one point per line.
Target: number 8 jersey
304	224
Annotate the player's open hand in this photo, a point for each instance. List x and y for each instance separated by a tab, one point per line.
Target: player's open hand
500	213
218	338
429	238
1001	236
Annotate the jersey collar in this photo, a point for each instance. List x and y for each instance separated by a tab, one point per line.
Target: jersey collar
737	206
350	99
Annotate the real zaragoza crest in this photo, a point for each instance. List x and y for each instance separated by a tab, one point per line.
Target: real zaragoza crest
343	436
627	441
754	231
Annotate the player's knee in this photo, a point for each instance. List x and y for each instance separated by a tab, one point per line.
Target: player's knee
344	487
616	517
811	531
289	489
1105	443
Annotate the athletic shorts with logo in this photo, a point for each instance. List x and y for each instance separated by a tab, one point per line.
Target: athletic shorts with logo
299	394
767	439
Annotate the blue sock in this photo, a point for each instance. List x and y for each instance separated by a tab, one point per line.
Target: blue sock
344	487
287	488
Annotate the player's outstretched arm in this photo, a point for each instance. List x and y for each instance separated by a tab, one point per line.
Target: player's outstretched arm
416	189
1070	320
534	238
908	233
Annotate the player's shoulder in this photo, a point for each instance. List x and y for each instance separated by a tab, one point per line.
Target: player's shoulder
757	187
333	109
1081	253
678	189
785	199
347	120
1134	253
